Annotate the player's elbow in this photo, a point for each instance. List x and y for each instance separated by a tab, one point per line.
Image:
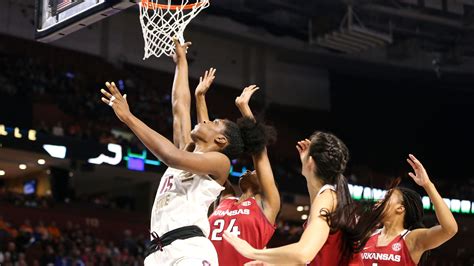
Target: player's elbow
181	104
178	106
452	229
305	255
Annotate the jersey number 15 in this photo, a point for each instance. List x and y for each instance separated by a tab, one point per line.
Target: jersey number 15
167	185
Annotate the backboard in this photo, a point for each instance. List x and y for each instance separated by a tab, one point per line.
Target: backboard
57	18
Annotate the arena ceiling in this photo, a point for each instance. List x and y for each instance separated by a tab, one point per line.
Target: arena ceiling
440	30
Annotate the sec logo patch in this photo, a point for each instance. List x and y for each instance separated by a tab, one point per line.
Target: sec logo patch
246	203
397	247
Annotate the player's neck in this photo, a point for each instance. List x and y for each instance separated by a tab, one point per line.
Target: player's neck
203	147
392	228
247	194
314	186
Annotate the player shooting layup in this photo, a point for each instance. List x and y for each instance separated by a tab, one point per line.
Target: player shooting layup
199	165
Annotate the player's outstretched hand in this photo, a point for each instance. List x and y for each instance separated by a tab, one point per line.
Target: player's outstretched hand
242	102
114	99
244	98
180	50
303	148
420	176
242	246
205	82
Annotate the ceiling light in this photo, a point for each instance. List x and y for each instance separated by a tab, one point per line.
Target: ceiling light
2	172
22	166
41	161
300	208
304	217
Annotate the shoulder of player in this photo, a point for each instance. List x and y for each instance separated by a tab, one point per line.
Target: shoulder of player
325	200
413	244
411	239
327	191
328	196
217	161
222	160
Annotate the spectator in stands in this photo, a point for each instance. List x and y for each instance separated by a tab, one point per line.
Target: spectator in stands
48	257
129	243
26	227
21	260
12	252
58	130
41	232
53	230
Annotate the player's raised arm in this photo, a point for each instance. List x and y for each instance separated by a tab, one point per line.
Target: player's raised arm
181	97
428	238
269	191
205	83
215	164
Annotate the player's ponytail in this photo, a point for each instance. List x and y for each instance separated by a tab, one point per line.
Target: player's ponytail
331	157
413	213
369	218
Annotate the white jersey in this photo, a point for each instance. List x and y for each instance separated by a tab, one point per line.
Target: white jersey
183	199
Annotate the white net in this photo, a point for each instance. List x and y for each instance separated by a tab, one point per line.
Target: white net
161	22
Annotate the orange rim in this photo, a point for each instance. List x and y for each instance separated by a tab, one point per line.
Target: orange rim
153	6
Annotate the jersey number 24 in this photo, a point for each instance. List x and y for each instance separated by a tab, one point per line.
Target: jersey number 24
220	225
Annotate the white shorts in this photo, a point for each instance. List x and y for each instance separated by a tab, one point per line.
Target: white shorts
195	251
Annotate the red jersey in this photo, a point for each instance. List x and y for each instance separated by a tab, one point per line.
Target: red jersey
331	252
245	220
394	254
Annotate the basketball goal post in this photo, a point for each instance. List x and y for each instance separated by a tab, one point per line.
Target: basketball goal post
161	20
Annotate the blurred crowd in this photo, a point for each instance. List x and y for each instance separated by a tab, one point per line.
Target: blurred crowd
22	200
47	244
76	99
67	101
98	201
39	243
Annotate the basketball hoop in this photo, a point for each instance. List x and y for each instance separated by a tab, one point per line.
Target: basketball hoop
162	21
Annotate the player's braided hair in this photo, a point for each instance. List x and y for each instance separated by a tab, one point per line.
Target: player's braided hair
331	157
330	154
